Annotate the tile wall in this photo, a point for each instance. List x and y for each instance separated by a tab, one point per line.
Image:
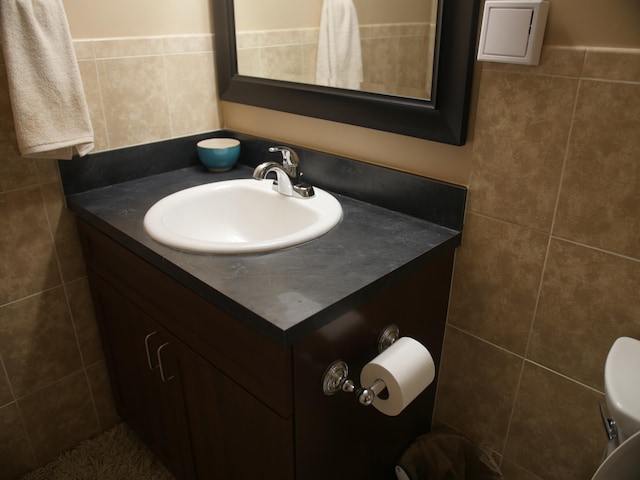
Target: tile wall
546	279
389	56
549	271
54	390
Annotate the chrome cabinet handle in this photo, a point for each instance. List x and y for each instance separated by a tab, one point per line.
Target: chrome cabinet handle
146	347
159	356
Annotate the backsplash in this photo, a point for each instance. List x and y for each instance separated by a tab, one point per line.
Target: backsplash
51	360
548	272
394	56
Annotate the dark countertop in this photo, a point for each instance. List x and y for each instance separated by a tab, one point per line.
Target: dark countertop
285	294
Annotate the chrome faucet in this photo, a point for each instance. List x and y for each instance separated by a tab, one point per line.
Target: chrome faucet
287	180
290	160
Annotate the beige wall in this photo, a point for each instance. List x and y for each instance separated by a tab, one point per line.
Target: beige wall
613	23
548	273
137	18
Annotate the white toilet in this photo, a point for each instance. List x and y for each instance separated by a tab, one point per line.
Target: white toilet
622	390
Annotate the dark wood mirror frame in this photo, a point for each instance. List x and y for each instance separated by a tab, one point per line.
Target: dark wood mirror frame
444	118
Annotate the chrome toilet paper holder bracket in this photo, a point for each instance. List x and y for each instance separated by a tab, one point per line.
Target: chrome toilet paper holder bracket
336	376
336	379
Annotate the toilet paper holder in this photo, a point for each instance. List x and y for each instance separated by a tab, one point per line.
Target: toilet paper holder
336	376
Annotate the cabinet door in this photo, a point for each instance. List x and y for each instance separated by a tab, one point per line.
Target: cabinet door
145	376
234	435
197	420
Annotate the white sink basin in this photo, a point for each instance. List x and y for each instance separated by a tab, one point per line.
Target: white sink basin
239	216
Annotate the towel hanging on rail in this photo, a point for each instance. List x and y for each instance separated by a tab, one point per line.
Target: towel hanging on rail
339	61
50	112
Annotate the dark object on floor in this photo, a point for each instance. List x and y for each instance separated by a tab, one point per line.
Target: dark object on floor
446	456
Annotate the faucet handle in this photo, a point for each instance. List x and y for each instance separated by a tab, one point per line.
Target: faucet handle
290	160
302	190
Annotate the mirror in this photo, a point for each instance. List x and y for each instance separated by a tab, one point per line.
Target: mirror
440	115
389	45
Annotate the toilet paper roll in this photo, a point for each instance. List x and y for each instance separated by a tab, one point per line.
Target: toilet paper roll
406	368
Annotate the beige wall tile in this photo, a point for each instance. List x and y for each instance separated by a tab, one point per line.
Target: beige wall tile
588	299
134	95
84	49
15	172
524	123
65	235
38	342
27	257
379	31
496	280
282	62
249	62
84	321
412	62
413	29
511	471
5	390
556	431
128	47
192	93
588	296
477	388
68	401
379	60
93	95
280	37
310	59
563	61
47	170
102	396
16	457
310	36
247	39
600	192
613	64
188	44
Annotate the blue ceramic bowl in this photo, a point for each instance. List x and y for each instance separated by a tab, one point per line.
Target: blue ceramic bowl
219	154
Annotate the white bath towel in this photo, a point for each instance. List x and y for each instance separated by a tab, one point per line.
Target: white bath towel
339	51
47	98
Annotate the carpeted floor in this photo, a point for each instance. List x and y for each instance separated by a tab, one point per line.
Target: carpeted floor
116	454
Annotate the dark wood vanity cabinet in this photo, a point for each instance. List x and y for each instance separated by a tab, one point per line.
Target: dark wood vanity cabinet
200	421
216	400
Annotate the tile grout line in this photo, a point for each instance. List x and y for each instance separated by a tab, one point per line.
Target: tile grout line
166	91
503	349
553	218
101	94
444	337
556	237
544	268
68	303
18	409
